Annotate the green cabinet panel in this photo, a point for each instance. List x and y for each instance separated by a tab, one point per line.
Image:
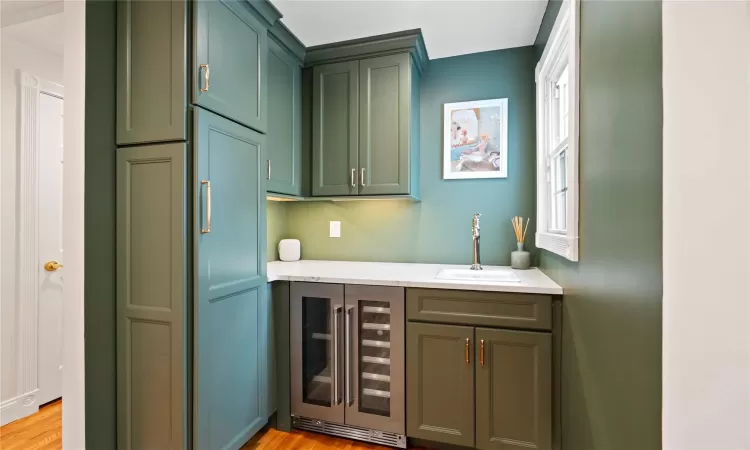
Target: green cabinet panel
494	309
384	124
152	409
365	122
440	383
151	71
514	390
229	286
229	62
335	129
284	150
268	352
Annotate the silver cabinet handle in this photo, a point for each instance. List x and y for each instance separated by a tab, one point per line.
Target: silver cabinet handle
206	77
207	183
268	163
354	172
362	177
335	393
348	357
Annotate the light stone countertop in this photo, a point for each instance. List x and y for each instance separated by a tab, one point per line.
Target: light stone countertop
532	281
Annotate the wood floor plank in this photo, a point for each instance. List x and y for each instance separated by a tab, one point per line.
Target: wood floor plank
43	431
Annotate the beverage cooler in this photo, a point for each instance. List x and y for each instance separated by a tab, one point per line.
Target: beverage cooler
347	361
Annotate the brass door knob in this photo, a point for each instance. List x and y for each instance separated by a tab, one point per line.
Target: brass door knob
51	266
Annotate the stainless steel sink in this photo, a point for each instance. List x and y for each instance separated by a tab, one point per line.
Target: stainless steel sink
486	275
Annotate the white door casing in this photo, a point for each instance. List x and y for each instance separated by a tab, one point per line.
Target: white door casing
50	196
31	91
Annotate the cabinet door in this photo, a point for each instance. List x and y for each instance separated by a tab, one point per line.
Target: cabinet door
384	97
152	326
335	99
284	149
440	383
230	279
374	329
151	71
514	390
317	381
230	62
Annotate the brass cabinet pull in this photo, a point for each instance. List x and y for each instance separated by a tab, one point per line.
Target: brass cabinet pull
481	352
268	163
354	183
362	177
467	350
207	230
206	77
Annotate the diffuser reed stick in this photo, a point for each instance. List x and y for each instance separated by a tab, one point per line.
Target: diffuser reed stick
519	229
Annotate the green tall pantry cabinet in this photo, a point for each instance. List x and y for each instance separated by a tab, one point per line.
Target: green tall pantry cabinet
193	340
365	118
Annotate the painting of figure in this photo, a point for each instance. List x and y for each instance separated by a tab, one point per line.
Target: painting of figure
475	143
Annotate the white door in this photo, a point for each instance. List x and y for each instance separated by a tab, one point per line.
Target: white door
50	247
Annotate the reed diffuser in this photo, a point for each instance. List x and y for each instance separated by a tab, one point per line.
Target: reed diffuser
520	259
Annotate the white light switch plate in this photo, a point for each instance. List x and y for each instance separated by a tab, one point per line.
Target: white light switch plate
335	230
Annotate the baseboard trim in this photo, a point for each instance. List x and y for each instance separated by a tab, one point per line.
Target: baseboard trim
19	407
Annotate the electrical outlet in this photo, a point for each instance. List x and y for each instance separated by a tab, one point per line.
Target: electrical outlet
335	229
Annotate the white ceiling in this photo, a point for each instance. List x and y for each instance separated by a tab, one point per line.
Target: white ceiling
45	33
450	27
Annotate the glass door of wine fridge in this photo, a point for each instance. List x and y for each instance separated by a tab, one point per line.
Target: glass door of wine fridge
316	323
374	327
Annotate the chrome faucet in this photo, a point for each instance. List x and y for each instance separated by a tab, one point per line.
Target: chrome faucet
476	264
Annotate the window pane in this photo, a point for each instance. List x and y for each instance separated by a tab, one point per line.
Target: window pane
559	211
558	191
561	106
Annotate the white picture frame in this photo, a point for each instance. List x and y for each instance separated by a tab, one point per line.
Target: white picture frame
475	145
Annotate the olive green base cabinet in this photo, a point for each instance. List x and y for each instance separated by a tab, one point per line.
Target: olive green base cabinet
476	386
514	389
440	383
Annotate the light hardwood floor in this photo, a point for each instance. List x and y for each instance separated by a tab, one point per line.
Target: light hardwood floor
43	431
39	431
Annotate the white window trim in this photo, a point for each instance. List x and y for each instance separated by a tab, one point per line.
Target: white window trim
565	36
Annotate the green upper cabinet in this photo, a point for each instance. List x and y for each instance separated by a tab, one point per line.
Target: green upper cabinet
514	390
283	156
384	125
365	117
151	71
335	129
229	354
229	63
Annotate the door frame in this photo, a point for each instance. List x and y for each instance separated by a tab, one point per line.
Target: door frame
29	89
74	376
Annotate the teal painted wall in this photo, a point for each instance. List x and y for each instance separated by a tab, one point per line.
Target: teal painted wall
545	28
437	229
612	303
99	222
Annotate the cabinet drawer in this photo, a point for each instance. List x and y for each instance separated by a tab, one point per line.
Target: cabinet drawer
494	309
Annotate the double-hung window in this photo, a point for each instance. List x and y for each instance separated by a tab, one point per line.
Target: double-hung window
557	137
